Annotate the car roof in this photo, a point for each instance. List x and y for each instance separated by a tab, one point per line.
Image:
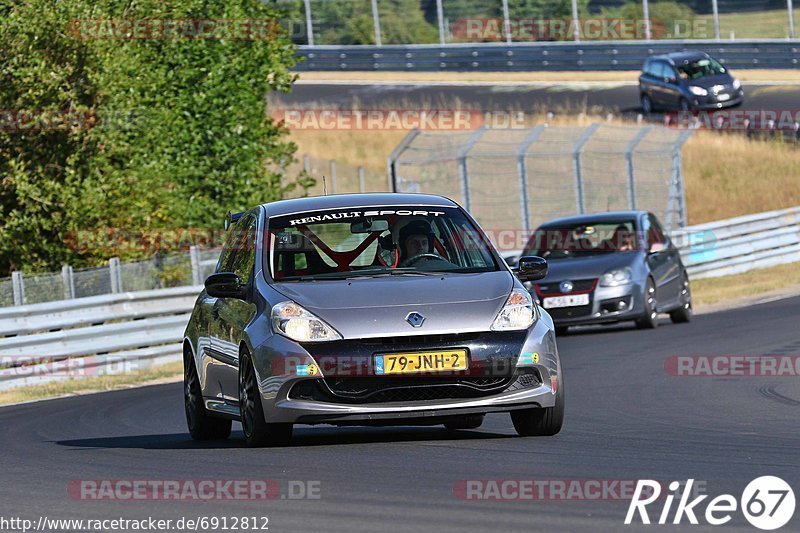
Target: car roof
339	201
676	57
610	216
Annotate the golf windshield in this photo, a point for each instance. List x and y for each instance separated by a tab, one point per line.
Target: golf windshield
583	239
375	241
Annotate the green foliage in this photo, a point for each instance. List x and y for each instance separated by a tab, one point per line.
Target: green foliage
180	130
664	15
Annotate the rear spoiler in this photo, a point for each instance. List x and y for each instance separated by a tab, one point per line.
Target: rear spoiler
231	218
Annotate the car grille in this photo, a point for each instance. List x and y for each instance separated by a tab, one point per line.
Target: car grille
578	285
381	389
561	313
420	340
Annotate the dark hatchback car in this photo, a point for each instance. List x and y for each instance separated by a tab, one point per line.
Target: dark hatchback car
687	81
609	267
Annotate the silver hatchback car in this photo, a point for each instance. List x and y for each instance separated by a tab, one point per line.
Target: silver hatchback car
367	309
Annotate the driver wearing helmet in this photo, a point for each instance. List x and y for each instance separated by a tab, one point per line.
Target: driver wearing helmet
416	238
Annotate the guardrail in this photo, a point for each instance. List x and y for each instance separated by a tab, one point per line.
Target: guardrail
608	55
740	244
92	336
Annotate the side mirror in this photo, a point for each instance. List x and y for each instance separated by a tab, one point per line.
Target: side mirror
225	285
657	247
531	268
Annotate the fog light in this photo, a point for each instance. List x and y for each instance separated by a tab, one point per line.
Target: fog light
622	305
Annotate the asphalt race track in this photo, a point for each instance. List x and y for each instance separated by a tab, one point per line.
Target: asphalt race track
531	98
627	419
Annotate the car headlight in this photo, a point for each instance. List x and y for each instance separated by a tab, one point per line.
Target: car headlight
292	320
616	277
519	312
736	83
698	91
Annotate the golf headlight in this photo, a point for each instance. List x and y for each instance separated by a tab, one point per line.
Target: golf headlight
519	312
698	91
613	278
297	323
736	83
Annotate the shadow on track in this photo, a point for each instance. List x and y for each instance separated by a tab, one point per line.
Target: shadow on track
304	436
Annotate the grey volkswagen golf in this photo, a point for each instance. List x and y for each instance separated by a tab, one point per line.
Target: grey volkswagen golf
610	267
367	309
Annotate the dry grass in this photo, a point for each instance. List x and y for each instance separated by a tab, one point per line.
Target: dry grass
756	282
160	374
629	76
730	175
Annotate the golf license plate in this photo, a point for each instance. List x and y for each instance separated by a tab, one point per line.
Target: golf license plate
417	362
572	300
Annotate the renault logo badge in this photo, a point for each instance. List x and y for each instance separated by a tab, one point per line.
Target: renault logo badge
415	319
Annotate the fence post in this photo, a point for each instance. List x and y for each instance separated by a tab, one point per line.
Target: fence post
576	33
391	170
463	173
677	173
522	173
790	9
576	164
309	26
361	180
307	164
194	257
440	20
376	23
646	16
113	271
18	286
506	22
629	163
69	282
333	176
715	11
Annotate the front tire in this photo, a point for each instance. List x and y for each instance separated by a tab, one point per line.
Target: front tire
541	421
202	426
650	318
684	313
257	432
647	104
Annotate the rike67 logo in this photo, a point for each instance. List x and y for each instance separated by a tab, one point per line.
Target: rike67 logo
767	503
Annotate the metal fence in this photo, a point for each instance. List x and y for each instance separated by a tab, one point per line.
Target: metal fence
517	179
386	22
163	271
334	177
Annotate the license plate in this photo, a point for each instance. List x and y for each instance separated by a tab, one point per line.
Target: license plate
723	97
572	300
413	363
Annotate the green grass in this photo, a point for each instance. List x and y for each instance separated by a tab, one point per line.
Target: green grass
751	24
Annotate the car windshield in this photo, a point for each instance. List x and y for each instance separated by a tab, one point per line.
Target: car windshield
584	239
375	241
701	68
